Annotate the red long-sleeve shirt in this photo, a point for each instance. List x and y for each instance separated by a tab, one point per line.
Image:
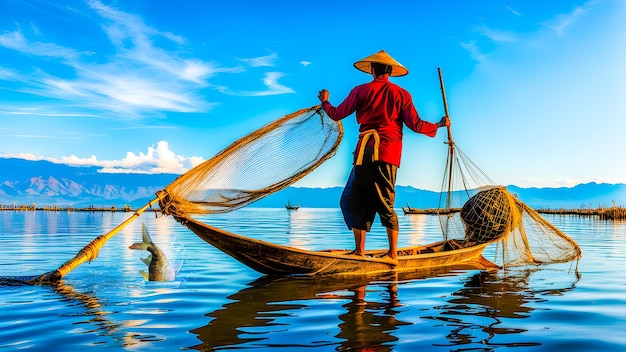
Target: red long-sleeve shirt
385	107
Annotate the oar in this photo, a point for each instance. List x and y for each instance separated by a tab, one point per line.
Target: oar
90	251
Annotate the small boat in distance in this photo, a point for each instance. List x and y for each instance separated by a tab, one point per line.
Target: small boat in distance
290	206
435	211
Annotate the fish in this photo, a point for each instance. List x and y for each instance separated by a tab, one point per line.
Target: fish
159	267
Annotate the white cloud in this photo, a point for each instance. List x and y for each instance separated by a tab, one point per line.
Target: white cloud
126	26
137	80
7	74
562	21
271	81
305	63
38	136
42	110
559	23
15	40
512	10
474	50
273	87
159	159
267	61
497	36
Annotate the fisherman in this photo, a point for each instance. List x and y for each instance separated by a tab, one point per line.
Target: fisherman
382	108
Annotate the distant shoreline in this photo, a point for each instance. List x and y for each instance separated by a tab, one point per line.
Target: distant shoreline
604	213
92	209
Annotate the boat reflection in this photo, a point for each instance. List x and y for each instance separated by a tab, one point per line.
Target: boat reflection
480	311
363	324
367	321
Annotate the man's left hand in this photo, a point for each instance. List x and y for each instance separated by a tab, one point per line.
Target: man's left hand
444	122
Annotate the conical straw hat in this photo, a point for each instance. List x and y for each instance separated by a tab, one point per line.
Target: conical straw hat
381	57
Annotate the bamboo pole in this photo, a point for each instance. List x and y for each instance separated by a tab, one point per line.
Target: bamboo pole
450	141
90	251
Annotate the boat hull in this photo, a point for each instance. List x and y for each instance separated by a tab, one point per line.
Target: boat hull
273	259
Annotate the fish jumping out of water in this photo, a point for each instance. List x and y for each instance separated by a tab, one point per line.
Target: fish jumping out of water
159	268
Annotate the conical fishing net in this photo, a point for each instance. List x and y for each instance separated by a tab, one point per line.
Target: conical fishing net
263	162
256	165
484	212
475	211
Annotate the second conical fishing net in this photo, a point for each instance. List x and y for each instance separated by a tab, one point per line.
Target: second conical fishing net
485	212
261	163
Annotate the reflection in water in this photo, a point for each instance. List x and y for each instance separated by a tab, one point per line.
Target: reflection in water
92	310
479	314
368	325
97	318
109	306
304	230
97	321
89	302
488	298
299	222
417	224
364	324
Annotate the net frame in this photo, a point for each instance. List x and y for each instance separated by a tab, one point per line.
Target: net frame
192	192
522	235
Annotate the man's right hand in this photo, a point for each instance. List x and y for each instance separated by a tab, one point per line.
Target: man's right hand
323	95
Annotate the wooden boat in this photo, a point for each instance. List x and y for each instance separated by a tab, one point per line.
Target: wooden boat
429	211
274	259
290	206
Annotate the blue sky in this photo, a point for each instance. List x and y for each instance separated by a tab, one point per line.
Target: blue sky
535	88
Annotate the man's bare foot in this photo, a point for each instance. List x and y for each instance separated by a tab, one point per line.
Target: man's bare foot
355	252
390	255
389	260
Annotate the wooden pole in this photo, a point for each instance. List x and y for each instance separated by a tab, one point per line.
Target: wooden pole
450	141
90	251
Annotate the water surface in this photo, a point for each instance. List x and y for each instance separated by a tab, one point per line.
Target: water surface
218	303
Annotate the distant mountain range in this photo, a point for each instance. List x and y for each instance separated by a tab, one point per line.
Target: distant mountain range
45	183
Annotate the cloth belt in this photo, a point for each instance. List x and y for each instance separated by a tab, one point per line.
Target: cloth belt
365	136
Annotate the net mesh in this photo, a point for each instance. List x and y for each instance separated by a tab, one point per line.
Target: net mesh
489	215
487	212
263	162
